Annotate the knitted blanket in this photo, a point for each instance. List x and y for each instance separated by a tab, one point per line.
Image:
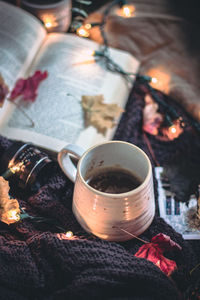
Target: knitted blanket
38	262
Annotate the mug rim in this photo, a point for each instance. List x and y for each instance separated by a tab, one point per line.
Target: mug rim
119	195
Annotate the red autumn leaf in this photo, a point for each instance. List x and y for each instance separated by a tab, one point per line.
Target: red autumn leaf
165	243
154	252
27	88
3	90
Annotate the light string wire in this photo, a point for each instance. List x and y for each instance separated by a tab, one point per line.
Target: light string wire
103	53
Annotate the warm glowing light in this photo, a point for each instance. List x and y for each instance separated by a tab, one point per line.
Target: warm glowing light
66	236
160	79
13	215
49	21
15	168
90	52
48	25
69	234
173	131
88	26
82	31
154	80
126	11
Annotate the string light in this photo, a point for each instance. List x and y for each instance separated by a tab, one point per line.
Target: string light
15	168
49	22
88	26
12	169
154	80
126	11
48	25
69	234
174	130
82	31
90	52
173	124
13	215
163	78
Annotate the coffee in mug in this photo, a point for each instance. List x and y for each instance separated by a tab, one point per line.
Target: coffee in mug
113	180
113	190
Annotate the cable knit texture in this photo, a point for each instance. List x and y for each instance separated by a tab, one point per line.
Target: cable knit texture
37	262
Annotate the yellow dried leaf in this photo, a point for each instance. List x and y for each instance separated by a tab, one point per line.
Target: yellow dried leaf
9	208
99	114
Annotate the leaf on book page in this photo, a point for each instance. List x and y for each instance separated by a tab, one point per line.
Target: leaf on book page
99	114
152	119
154	252
27	88
3	90
9	208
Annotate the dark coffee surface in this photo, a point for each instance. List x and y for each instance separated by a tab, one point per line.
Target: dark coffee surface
113	180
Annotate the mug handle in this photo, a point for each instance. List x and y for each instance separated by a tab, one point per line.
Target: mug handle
65	161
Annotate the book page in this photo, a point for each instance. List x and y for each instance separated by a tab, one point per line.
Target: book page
73	72
21	36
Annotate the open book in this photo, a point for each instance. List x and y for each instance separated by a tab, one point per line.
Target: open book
57	112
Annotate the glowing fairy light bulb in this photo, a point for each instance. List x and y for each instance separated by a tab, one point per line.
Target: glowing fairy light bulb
160	79
12	169
90	52
154	80
69	234
172	129
15	168
126	11
48	25
13	215
82	31
88	26
49	22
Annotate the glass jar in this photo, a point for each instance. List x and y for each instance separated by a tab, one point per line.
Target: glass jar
28	165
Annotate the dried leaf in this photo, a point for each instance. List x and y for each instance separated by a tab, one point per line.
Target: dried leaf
3	90
154	252
9	208
99	114
165	243
27	88
151	117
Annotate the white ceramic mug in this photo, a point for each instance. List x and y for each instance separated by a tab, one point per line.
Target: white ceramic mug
106	215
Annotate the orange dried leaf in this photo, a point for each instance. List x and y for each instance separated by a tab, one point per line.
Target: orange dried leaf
9	208
99	114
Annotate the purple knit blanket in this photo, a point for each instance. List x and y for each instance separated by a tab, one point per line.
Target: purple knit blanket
36	262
